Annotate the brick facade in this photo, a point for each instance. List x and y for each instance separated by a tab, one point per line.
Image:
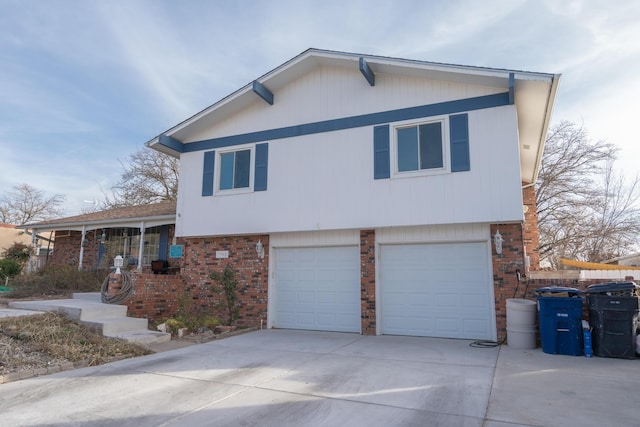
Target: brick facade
368	281
505	267
158	297
530	228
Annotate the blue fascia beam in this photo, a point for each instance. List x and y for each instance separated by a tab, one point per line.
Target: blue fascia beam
512	88
367	72
263	92
171	143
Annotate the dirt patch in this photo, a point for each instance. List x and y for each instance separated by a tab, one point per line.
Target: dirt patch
39	342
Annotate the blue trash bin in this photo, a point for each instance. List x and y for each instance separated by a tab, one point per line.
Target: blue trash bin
560	319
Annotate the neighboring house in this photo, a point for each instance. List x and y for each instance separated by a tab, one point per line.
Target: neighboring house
632	260
366	194
9	235
140	234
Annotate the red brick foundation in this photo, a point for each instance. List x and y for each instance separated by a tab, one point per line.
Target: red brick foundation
505	266
368	281
253	274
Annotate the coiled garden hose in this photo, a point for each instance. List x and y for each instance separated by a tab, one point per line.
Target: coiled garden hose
123	294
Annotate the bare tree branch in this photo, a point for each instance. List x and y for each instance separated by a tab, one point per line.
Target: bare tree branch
24	204
585	211
148	177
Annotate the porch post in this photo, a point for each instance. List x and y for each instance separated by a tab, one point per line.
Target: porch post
32	255
82	243
141	246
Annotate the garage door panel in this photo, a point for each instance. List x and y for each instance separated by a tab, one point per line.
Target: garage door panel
326	282
440	290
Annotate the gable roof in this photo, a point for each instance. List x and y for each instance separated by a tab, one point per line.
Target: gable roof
534	94
128	216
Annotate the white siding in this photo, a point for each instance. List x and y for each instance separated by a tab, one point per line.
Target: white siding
325	181
328	93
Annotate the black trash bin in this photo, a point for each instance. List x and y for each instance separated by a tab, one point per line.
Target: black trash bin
613	315
560	319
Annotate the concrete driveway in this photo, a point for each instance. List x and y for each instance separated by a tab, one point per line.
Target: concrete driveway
301	378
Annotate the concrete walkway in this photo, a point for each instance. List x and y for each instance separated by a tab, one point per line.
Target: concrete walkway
301	378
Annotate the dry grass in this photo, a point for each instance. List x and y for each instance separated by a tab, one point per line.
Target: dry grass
31	342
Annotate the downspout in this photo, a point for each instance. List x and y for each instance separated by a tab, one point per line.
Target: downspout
141	246
84	232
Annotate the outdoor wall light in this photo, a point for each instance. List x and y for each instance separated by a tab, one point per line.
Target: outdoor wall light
117	263
260	249
497	241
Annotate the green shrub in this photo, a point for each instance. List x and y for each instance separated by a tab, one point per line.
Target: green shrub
18	252
9	268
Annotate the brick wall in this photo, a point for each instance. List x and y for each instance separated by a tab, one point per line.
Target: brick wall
530	229
505	265
253	274
368	281
156	296
66	250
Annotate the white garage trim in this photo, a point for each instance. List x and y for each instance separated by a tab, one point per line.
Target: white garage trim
436	289
435	234
302	239
318	288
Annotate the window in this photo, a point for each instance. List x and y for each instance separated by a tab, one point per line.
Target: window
242	170
438	146
235	170
420	147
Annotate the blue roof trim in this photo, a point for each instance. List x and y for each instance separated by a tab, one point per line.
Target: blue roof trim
449	107
263	92
512	88
367	72
171	143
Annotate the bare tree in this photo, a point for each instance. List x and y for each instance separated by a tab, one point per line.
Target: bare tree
24	204
148	177
585	211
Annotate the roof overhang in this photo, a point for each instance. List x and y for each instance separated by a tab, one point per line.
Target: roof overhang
148	221
533	94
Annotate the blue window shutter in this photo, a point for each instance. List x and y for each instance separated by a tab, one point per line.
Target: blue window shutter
459	142
207	173
261	168
381	155
163	243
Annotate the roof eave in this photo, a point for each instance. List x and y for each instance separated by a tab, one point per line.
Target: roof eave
107	223
553	91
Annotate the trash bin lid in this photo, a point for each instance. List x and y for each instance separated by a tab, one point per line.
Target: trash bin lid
613	287
550	290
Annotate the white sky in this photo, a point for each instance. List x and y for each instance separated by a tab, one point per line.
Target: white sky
83	83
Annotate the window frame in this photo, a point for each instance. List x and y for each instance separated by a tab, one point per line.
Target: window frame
218	170
446	156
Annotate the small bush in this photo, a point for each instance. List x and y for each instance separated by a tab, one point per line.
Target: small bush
18	252
191	317
228	285
55	280
9	268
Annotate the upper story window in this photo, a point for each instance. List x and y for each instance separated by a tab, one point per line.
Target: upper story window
420	148
235	170
240	170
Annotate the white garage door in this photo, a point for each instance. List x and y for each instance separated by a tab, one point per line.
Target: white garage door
318	289
437	290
